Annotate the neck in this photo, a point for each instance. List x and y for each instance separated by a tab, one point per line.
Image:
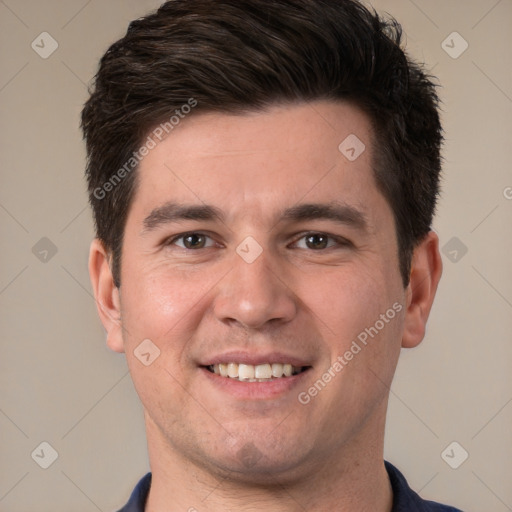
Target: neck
351	480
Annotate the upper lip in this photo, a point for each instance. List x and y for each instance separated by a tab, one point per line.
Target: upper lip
244	357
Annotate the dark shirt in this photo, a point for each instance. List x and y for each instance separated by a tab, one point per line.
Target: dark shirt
404	498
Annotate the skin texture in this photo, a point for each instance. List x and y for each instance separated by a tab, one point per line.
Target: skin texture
209	447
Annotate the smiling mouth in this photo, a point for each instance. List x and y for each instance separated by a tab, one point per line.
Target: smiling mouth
256	373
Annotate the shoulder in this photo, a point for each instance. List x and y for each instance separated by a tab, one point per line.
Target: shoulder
406	500
137	501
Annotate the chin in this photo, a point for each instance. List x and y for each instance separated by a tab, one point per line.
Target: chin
259	463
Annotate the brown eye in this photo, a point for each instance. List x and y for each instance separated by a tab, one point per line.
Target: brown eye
192	241
317	241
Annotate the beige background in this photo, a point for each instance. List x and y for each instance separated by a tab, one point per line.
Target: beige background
60	384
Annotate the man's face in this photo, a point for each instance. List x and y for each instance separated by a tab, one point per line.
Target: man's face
289	254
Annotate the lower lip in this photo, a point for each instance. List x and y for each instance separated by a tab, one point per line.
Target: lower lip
244	390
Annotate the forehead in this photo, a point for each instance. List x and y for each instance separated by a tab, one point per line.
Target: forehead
253	163
312	129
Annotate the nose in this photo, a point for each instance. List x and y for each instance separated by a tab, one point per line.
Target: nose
255	294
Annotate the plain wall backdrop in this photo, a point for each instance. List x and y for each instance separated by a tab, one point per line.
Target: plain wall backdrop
59	384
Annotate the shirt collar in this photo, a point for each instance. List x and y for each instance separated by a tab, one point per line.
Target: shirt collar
404	498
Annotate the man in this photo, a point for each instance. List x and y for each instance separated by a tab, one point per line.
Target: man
263	177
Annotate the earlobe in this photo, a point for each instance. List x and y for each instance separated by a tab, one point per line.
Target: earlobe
106	295
426	270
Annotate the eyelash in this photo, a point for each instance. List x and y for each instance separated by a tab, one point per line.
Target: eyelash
339	241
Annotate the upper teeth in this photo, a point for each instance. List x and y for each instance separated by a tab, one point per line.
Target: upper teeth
254	373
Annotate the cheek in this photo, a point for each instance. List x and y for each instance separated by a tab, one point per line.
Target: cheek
158	301
361	318
346	301
163	306
372	324
363	347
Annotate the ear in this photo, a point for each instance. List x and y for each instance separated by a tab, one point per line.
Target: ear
426	270
106	294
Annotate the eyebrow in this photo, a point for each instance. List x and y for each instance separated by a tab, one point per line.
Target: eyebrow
335	211
174	212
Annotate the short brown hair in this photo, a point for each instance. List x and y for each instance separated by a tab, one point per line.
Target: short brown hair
245	55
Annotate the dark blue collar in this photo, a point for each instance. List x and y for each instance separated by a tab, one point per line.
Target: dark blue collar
404	498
